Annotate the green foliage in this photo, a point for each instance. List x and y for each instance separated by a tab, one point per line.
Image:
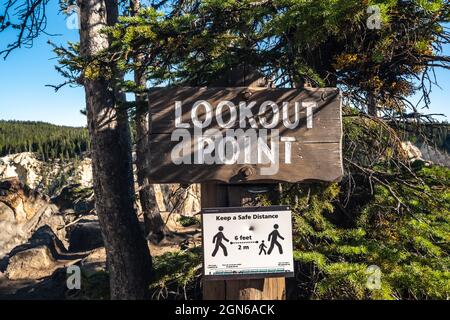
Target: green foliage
325	43
176	275
385	212
46	140
93	287
399	223
292	42
187	221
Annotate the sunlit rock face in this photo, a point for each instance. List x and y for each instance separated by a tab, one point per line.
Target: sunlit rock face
83	173
23	166
22	211
48	222
47	177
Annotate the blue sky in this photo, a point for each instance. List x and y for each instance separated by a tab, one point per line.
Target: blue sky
24	74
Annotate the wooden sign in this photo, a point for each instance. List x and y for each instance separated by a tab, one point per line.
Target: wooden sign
237	135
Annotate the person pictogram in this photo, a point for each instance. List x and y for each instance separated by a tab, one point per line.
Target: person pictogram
273	238
262	248
218	238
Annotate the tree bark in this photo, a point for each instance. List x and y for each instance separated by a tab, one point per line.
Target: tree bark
372	108
128	256
154	224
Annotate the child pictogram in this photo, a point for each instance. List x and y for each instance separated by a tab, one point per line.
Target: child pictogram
262	248
273	238
218	238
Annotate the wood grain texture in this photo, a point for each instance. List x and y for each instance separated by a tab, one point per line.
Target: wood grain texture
162	106
310	162
316	154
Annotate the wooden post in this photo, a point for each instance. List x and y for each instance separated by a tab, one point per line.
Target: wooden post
229	195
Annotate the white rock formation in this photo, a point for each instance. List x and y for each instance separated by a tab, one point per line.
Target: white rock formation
34	173
412	151
23	211
83	173
24	166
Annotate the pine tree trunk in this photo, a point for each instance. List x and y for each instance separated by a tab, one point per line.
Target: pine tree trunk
128	256
372	108
154	224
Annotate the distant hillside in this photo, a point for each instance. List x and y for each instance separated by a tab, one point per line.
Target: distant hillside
47	140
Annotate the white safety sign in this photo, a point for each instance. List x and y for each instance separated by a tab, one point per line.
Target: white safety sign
247	242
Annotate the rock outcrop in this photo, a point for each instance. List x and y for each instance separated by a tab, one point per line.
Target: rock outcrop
22	212
48	222
45	176
23	166
51	178
83	173
33	263
35	259
94	262
412	151
85	235
50	288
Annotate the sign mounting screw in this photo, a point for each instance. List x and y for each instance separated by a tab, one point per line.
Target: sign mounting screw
247	171
247	94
